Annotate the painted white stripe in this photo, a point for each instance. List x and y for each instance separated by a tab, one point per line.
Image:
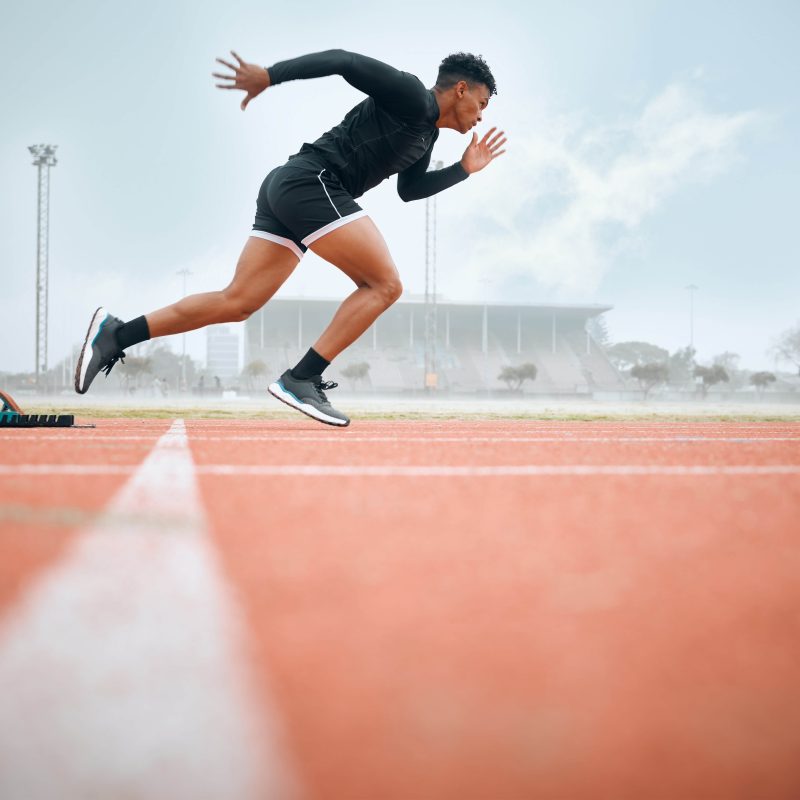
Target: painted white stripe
121	667
524	470
499	439
332	226
272	237
65	469
424	470
301	436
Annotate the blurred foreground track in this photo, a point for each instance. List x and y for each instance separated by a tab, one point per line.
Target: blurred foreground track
472	609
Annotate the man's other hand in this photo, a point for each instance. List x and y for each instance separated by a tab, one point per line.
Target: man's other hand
250	78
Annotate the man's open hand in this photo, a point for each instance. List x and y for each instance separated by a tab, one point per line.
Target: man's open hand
250	78
479	153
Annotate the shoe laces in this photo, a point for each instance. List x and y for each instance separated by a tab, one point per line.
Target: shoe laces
109	365
324	385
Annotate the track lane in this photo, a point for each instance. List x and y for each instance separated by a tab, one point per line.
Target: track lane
514	637
481	637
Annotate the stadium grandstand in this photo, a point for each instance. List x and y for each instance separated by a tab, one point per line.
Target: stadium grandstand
474	342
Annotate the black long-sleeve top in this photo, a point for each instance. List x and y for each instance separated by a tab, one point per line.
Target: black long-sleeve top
391	131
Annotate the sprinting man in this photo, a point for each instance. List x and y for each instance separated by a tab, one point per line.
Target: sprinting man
310	202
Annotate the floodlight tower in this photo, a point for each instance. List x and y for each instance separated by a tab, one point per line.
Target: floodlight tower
44	157
181	388
691	288
430	289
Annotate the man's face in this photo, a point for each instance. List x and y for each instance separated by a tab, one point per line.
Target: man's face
470	104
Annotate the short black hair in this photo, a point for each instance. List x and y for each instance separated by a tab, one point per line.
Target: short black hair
465	67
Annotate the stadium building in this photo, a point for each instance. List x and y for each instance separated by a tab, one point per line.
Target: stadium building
474	342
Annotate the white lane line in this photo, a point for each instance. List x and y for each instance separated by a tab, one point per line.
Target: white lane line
344	438
437	470
524	469
65	469
496	439
122	667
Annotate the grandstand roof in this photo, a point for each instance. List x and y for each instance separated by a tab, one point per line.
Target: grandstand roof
586	309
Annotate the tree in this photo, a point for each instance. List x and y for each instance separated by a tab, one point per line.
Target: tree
681	365
730	363
255	369
134	368
356	372
509	376
527	372
166	364
650	375
711	376
787	348
518	375
761	381
625	355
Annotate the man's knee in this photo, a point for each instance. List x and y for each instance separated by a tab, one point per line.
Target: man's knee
238	308
390	290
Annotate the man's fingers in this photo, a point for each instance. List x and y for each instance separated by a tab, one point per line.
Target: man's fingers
496	138
225	86
495	155
224	77
495	145
488	134
228	64
246	101
236	56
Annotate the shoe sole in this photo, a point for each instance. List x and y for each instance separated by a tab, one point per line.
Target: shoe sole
80	370
277	391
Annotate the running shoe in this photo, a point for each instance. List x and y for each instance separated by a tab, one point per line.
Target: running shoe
309	397
100	350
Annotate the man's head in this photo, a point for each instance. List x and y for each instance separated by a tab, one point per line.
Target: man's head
464	86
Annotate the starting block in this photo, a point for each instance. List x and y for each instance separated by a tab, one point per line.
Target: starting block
12	416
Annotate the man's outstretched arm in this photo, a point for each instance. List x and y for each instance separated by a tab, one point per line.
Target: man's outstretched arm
397	91
416	182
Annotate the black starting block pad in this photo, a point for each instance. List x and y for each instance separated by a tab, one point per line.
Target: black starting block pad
36	420
12	416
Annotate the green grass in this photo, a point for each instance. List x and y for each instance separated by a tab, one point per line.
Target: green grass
544	414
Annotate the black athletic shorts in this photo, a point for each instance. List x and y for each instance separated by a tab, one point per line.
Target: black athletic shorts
301	201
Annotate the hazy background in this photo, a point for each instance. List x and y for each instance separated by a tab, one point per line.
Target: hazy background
651	145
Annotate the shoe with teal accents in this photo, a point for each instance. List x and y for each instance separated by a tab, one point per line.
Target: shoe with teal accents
309	397
100	350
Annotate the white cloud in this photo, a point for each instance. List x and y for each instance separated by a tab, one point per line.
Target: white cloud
570	196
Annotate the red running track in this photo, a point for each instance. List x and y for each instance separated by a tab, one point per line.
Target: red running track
508	609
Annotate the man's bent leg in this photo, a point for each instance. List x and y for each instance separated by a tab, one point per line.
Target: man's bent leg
262	269
359	250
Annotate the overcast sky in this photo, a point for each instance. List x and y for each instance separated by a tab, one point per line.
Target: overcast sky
652	145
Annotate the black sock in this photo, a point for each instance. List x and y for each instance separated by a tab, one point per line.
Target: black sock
311	364
132	333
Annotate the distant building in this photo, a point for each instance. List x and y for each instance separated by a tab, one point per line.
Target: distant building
474	341
222	353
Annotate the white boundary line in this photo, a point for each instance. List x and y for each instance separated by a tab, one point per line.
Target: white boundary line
122	665
455	470
339	438
512	470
